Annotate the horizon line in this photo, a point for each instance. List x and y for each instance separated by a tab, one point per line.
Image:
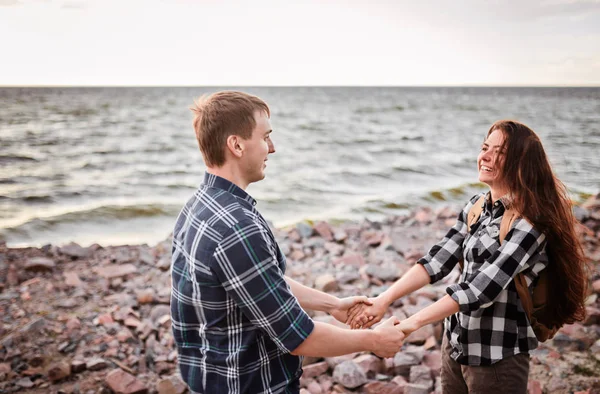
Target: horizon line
296	86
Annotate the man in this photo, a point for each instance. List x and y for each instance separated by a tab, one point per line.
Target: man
238	323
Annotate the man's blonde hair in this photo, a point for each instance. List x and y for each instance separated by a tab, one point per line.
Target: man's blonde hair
221	114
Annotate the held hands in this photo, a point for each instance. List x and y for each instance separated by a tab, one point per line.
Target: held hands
389	338
343	306
367	314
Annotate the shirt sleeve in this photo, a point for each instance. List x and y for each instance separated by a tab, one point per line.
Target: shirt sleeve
247	267
514	255
443	256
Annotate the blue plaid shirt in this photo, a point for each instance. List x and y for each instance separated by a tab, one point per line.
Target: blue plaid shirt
234	318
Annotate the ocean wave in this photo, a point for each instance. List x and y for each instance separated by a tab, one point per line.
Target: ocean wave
10	158
37	199
373	110
414	170
107	213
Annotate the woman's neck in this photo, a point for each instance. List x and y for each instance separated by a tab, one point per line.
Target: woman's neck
497	193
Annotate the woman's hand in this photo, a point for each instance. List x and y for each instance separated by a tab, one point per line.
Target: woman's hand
364	316
343	305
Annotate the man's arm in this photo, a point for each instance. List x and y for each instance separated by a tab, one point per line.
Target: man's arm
330	341
245	264
316	300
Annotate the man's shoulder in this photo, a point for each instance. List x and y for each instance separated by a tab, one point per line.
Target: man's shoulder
219	210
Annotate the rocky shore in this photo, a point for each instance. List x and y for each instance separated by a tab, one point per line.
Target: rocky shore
96	319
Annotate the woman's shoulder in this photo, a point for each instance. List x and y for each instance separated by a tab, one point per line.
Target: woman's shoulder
473	200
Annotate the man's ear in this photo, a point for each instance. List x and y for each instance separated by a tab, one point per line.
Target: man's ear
235	144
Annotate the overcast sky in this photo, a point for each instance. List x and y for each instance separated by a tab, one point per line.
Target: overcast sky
350	42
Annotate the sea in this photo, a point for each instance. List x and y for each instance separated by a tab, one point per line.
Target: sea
114	165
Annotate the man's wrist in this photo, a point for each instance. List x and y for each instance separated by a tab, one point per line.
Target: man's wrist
331	304
369	338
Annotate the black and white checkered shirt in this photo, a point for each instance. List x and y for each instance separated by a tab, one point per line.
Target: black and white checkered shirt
234	317
491	324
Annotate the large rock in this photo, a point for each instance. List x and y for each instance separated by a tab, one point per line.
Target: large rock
58	371
433	360
121	382
593	316
314	387
74	251
596	286
382	388
304	229
335	361
351	259
115	271
326	283
96	364
324	230
412	388
421	375
372	365
349	375
386	271
171	385
37	264
403	362
314	370
72	279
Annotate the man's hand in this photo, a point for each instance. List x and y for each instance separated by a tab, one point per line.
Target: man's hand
343	305
365	315
389	338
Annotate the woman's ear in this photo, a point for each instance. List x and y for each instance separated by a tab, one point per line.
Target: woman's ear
235	144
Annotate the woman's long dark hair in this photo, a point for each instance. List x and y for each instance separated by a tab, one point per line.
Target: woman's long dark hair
542	199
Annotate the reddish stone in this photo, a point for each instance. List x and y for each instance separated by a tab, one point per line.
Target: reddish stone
132	322
59	371
596	286
372	365
37	264
121	382
324	230
314	388
145	296
72	279
105	319
353	260
534	387
115	271
171	385
314	370
433	360
73	324
12	277
326	283
382	388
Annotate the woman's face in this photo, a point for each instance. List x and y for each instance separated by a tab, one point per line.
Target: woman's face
491	160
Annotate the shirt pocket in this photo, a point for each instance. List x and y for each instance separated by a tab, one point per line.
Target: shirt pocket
486	243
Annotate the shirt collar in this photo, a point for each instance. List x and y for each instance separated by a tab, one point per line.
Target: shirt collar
216	181
504	201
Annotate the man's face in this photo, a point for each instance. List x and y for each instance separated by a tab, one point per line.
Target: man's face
257	148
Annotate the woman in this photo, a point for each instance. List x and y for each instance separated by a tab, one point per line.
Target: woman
488	336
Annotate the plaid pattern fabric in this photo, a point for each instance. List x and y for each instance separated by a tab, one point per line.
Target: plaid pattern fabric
491	324
234	317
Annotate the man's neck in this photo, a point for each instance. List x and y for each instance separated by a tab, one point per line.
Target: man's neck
230	173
